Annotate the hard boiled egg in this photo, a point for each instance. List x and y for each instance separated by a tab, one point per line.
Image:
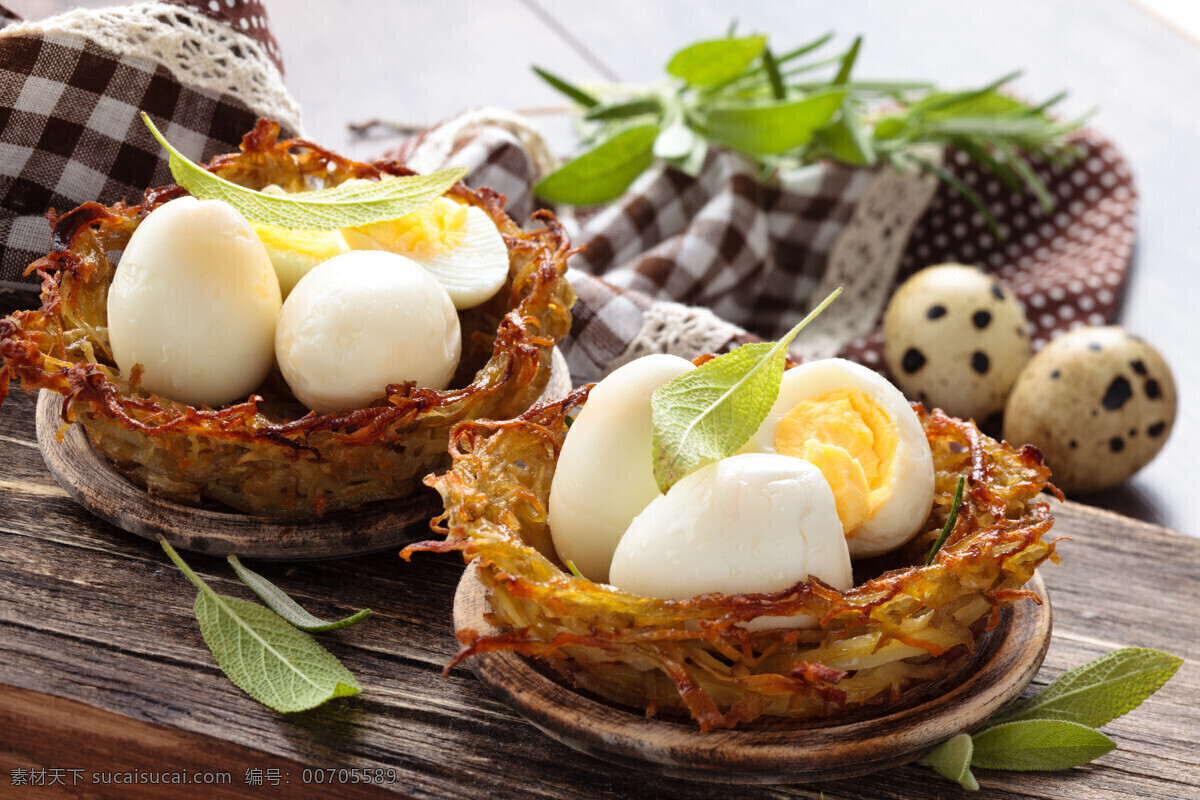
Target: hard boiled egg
749	523
194	301
361	321
295	252
605	472
457	243
864	437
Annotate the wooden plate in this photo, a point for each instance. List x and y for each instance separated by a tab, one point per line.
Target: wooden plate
769	751
215	530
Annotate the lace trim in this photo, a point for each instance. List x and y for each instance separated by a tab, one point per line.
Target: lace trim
196	49
865	258
685	331
437	145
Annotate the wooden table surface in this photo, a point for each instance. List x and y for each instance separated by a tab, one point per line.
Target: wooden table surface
103	666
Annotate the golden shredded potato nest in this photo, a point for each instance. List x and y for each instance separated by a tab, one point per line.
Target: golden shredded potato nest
902	624
269	455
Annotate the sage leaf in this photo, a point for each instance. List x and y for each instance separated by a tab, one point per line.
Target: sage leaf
716	61
846	140
1038	745
279	666
625	110
350	205
602	173
569	89
709	412
773	127
1098	692
292	612
952	759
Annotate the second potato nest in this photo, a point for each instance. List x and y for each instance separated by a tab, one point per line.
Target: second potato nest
267	455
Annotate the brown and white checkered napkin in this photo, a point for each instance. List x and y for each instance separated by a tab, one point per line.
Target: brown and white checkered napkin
72	86
692	265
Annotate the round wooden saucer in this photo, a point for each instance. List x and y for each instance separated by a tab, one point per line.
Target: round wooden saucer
770	751
93	483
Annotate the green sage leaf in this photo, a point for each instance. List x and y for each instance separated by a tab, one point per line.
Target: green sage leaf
1038	745
279	666
624	110
292	612
952	759
772	127
846	140
569	89
1099	691
708	413
346	206
716	61
602	173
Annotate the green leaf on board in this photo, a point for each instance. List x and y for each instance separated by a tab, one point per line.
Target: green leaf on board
292	612
950	520
1098	692
569	89
709	412
771	127
716	61
1038	745
952	759
349	205
602	173
279	666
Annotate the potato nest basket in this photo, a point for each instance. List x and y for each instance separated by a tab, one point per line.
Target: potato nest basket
903	624
269	455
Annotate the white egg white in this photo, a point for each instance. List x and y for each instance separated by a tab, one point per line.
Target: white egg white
750	523
194	301
361	321
605	476
907	496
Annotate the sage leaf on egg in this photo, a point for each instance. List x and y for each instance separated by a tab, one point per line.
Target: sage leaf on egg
707	413
1038	745
279	666
292	612
1101	690
952	760
349	205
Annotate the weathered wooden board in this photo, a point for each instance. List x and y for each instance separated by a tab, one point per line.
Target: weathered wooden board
103	668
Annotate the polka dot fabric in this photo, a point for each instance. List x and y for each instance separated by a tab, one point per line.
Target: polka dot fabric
1067	267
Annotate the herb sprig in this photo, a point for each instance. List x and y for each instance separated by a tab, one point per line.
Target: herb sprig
1056	729
739	93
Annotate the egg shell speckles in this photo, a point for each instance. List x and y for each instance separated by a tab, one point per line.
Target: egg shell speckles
1098	402
956	339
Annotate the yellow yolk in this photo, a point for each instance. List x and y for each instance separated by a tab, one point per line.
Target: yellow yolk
434	230
852	441
294	252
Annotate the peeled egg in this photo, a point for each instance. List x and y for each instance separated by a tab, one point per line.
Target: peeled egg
457	243
294	252
194	301
750	523
863	435
361	321
605	472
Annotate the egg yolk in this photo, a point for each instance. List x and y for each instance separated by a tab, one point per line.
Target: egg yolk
434	230
852	441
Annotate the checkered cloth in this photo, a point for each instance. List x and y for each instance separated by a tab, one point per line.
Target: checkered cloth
693	265
70	131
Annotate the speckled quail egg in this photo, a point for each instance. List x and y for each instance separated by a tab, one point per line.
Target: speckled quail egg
1098	402
605	471
862	434
956	339
750	523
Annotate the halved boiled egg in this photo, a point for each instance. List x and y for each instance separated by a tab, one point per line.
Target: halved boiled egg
361	321
862	434
750	523
295	252
605	471
459	245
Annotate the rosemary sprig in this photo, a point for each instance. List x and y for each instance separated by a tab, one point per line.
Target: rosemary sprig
737	92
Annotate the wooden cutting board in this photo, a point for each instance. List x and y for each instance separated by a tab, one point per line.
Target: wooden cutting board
102	668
